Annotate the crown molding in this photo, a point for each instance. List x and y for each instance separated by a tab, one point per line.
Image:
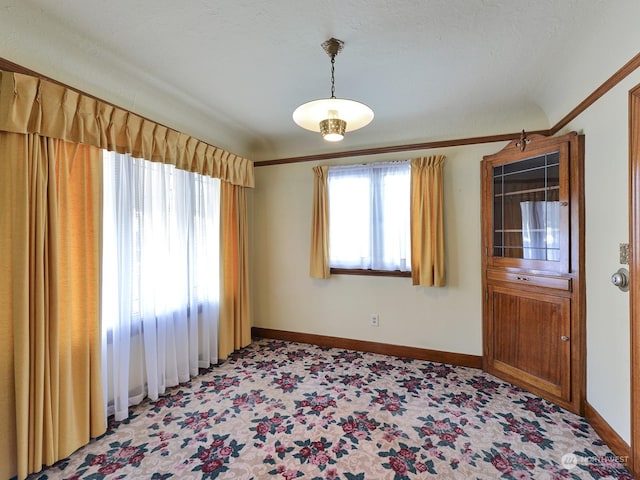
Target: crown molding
599	92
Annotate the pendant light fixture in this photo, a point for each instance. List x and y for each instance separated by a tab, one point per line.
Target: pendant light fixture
332	117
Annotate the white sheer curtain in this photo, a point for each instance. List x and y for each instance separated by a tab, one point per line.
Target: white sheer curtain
541	230
160	278
369	216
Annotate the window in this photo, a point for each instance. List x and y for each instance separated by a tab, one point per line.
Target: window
369	217
161	273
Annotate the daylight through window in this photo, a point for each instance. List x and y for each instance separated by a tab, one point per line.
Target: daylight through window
369	216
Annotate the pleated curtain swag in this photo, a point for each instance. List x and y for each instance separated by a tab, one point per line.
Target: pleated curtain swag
51	184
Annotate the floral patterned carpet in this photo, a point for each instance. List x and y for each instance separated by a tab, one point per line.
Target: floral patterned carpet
280	410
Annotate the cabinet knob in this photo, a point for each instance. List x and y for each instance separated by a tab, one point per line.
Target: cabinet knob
564	338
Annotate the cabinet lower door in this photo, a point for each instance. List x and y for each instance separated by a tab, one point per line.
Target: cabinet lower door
529	340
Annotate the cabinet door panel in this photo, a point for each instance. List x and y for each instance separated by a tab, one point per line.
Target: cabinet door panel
532	259
526	207
527	340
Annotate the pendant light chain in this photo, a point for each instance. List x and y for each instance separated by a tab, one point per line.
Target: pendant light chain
333	47
333	77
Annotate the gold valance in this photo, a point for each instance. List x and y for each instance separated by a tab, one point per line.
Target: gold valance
33	105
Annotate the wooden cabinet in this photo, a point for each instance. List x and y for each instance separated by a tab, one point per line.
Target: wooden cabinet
532	251
528	329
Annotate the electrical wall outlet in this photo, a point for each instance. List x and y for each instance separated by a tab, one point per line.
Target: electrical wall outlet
375	320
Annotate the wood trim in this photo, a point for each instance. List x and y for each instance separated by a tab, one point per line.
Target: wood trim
634	270
611	82
608	84
459	359
14	67
505	137
614	441
370	273
578	266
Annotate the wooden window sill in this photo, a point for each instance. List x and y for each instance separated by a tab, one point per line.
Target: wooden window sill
371	273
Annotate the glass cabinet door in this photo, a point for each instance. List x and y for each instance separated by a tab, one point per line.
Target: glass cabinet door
529	212
533	322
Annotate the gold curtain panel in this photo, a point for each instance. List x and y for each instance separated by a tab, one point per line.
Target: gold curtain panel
32	105
427	221
319	262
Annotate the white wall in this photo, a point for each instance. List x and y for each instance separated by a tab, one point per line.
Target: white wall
605	125
449	318
286	298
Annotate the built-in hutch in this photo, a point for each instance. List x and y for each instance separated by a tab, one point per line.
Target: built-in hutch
532	263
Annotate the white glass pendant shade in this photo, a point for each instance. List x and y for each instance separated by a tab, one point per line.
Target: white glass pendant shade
310	114
332	116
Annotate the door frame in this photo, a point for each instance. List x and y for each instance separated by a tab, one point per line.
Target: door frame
634	270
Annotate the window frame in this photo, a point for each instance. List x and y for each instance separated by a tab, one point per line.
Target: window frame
370	271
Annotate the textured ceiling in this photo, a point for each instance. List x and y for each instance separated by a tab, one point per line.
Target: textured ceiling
231	72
